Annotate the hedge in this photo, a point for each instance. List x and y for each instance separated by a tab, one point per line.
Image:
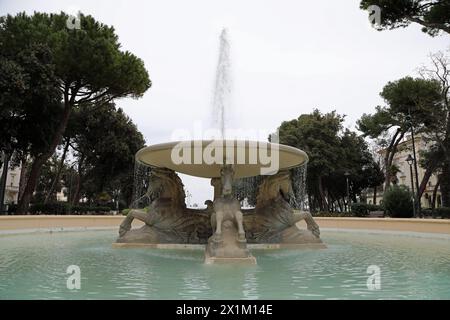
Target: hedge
361	209
65	208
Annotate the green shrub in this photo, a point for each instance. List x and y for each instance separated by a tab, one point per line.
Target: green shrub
63	208
427	212
360	209
374	207
49	208
443	212
397	200
333	214
12	208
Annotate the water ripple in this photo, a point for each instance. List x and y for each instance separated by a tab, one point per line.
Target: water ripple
34	267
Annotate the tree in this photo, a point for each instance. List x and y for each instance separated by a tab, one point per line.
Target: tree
104	141
375	178
89	68
415	97
45	188
26	80
432	15
437	158
332	151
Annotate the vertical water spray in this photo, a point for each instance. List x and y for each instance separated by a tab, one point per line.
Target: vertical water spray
298	180
222	88
140	197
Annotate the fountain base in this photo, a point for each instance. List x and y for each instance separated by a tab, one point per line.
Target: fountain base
229	248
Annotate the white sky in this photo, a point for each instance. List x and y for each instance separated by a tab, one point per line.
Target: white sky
288	57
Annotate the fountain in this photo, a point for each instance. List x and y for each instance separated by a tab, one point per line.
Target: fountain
223	227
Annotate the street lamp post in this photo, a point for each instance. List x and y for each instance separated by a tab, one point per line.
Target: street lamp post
410	161
347	174
410	123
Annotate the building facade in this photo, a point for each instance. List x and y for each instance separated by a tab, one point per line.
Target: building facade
12	185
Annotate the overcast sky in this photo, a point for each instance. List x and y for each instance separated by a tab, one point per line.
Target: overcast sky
288	57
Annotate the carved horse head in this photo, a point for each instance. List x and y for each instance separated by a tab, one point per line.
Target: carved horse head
275	186
165	183
285	185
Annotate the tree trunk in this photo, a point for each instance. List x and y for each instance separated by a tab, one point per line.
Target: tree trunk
323	204
58	173
340	205
23	177
31	185
76	194
39	161
388	159
310	204
445	184
426	177
375	195
393	150
6	158
433	199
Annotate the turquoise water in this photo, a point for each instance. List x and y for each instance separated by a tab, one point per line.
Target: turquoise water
34	266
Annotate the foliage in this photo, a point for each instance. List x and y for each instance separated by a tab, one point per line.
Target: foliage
332	151
334	214
432	15
29	103
417	98
88	67
438	135
63	208
397	200
104	141
443	212
361	209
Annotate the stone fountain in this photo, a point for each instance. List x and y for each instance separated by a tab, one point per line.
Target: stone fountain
225	229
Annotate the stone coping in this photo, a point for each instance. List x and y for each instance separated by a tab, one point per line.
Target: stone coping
45	223
441	226
252	246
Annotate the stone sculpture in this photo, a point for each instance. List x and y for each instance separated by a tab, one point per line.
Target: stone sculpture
231	243
167	220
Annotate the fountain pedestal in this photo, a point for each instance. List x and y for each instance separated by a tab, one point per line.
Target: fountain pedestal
229	248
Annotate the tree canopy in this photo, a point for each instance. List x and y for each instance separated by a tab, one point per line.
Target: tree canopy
87	64
26	81
417	98
432	15
333	151
104	141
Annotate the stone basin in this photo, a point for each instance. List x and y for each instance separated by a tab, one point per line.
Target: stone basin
249	158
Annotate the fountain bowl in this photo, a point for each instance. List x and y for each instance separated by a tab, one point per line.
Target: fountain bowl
249	158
